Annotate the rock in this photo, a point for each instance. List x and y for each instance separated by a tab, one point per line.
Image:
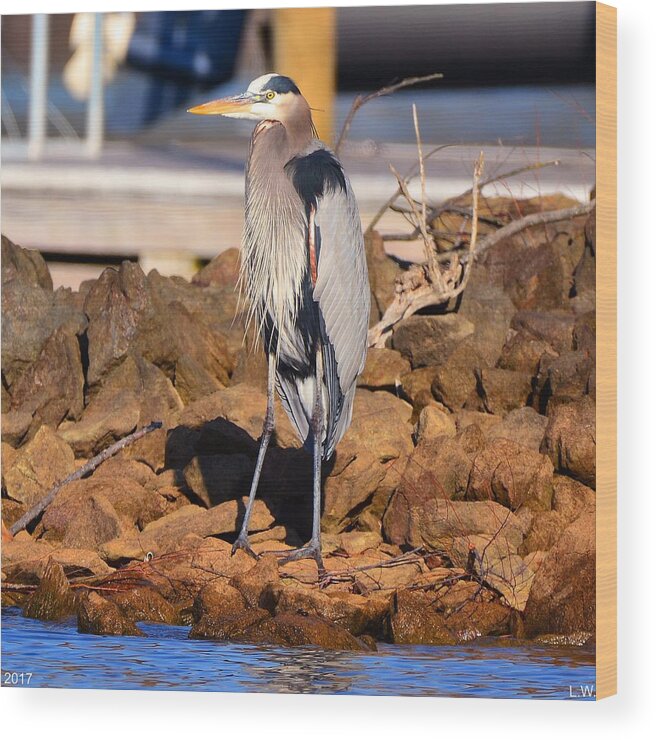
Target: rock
81	518
429	340
416	386
571	498
485	422
45	460
357	614
383	272
524	426
295	630
563	379
562	597
522	352
455	379
26	266
554	327
383	369
78	563
53	599
217	599
31	311
98	616
113	505
377	574
222	271
164	534
258	583
434	421
121	466
471	439
51	389
415	521
585	274
133	394
570	440
145	604
530	273
24	559
490	310
368	461
352	543
585	333
501	391
15	425
232	626
512	475
154	317
218	478
193	381
438	467
414	621
544	532
512	578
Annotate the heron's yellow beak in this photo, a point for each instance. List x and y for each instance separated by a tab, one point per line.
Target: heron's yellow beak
223	106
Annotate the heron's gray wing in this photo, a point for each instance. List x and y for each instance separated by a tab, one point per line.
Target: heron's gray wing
342	292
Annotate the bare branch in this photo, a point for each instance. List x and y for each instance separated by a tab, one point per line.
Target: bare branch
87	468
361	100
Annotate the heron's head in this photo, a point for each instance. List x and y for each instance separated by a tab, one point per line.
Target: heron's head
271	97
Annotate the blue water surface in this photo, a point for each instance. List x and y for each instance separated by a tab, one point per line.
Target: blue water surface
56	655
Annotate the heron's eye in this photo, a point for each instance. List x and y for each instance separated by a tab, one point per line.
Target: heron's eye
270	95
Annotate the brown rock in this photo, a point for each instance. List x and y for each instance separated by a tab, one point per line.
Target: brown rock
257	585
562	597
295	630
24	559
545	531
415	521
53	598
357	614
98	616
145	604
223	270
429	340
24	265
233	626
501	391
51	389
455	379
217	478
490	310
571	498
383	272
570	440
415	621
434	421
437	468
416	386
563	379
45	460
383	369
554	327
524	426
523	352
15	425
512	475
133	394
485	422
368	462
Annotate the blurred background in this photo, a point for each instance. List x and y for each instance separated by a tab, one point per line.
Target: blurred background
101	163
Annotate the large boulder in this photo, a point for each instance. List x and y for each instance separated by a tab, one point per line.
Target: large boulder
98	616
570	440
45	460
429	340
53	598
524	426
562	597
455	379
368	462
384	368
500	391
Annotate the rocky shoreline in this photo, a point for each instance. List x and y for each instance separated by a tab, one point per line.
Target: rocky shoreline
460	504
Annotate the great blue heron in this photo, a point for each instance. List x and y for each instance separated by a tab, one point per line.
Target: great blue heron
304	271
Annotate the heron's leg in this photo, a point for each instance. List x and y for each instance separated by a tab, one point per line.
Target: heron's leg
313	547
242	543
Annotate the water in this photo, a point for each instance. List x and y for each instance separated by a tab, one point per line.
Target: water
58	656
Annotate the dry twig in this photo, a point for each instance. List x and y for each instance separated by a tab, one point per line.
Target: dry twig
361	100
87	468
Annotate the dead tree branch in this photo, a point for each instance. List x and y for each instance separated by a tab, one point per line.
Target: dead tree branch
361	100
87	468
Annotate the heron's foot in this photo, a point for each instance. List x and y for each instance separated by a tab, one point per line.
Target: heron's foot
311	551
242	543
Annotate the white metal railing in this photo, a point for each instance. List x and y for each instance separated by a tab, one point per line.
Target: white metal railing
38	105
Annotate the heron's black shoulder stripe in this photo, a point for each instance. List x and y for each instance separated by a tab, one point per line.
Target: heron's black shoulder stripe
315	174
281	84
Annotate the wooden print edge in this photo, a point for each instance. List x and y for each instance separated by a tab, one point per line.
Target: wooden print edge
606	433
